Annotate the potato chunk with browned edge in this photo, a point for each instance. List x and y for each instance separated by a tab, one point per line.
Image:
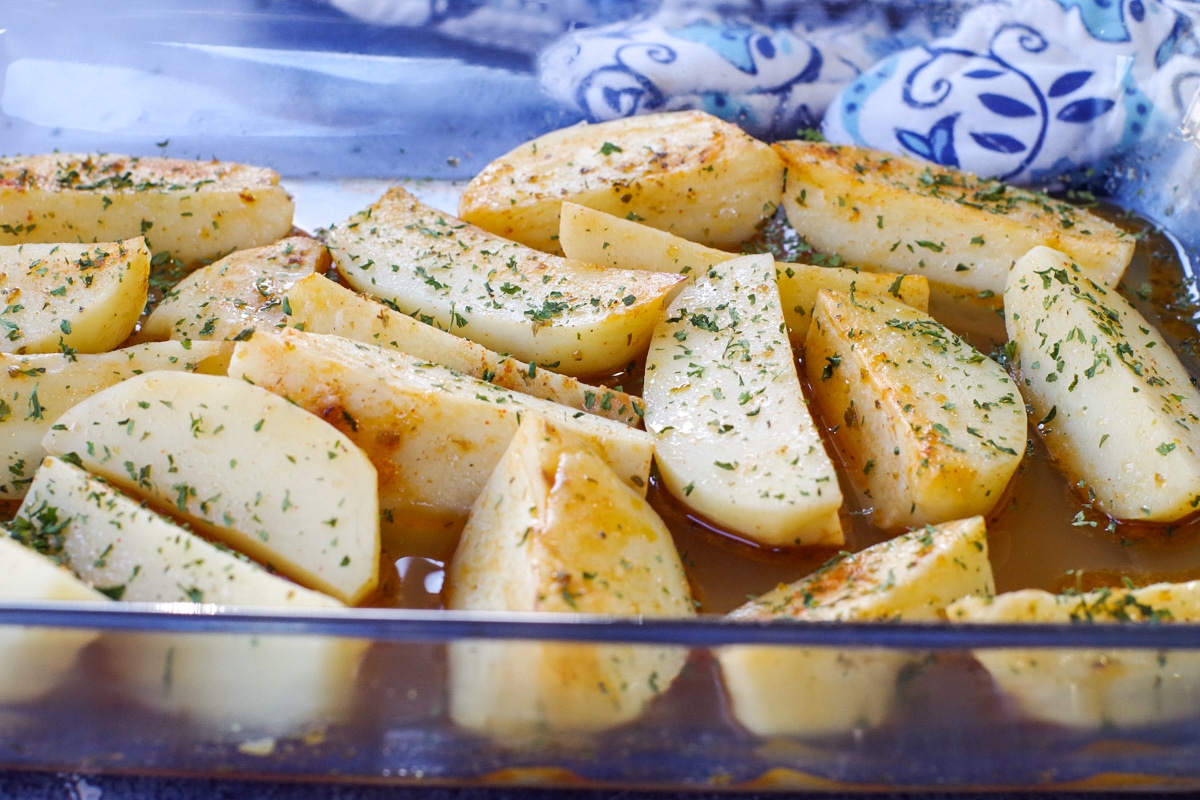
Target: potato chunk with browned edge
193	211
687	172
931	429
555	530
897	214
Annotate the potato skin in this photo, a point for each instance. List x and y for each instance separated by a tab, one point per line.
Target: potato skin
932	430
897	214
195	211
704	179
579	319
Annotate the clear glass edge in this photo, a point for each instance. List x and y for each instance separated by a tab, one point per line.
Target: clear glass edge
413	625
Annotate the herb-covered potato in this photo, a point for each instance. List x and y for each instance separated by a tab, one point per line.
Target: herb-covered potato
571	317
433	434
271	684
1116	408
34	660
241	464
233	296
600	238
931	429
555	530
35	390
1087	687
812	691
898	214
734	440
71	298
318	305
193	211
687	172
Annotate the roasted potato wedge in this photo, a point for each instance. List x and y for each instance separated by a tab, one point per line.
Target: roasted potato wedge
734	441
317	305
264	684
811	691
600	238
930	428
242	465
686	172
433	434
556	530
1087	688
571	317
235	295
897	214
35	390
35	660
193	211
71	298
1116	408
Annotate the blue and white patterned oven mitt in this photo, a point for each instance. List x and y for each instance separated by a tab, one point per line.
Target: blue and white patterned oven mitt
771	73
1026	90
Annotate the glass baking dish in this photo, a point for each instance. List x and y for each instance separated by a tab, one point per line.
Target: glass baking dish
343	99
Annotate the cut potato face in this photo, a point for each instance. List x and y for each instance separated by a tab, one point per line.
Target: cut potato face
686	172
571	317
898	214
734	439
812	691
232	297
555	530
1089	688
35	390
33	661
931	429
600	238
195	211
240	464
433	434
317	305
276	685
913	576
114	543
1116	408
71	298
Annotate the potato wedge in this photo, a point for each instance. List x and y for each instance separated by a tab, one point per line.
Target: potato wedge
735	442
898	214
35	660
241	465
931	429
571	317
194	211
434	435
556	530
813	691
35	390
318	305
1085	688
1117	409
687	172
240	292
264	684
599	238
130	552
71	298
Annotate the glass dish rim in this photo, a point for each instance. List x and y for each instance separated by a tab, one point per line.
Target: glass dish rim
447	627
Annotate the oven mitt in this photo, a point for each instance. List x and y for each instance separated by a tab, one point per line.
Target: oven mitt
772	78
1025	91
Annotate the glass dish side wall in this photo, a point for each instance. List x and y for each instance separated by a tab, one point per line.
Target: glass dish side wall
318	95
373	702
